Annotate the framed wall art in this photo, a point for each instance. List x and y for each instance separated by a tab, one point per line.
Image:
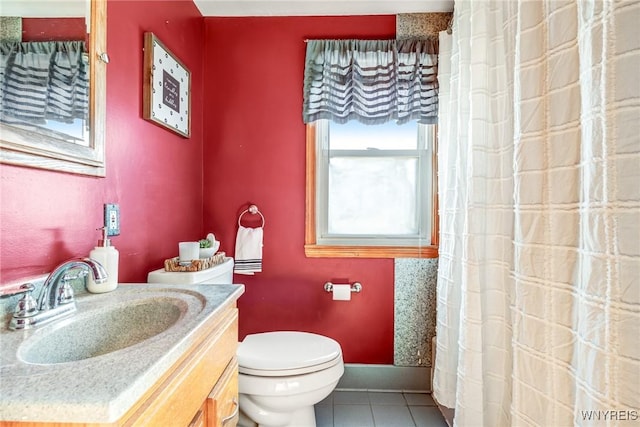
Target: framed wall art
166	88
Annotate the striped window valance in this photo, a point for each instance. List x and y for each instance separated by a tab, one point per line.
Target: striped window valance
372	81
43	80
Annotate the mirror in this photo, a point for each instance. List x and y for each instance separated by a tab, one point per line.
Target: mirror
76	144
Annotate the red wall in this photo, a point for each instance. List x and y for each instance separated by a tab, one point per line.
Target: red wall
252	142
154	174
255	152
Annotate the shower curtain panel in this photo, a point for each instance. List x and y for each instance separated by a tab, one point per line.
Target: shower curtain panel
538	319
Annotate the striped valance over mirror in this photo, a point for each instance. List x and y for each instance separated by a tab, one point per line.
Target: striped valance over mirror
371	81
43	81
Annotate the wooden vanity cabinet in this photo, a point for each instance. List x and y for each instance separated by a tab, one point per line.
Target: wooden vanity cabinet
221	407
203	390
200	419
222	404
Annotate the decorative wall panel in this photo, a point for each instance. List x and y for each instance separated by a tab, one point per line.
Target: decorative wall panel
414	310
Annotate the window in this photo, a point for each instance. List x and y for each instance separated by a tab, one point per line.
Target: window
371	190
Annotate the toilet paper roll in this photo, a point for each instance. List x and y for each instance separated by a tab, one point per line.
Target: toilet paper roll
342	292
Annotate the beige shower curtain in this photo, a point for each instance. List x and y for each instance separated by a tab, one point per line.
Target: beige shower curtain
538	319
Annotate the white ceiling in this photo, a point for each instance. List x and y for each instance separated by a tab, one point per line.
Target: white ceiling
44	8
61	8
319	7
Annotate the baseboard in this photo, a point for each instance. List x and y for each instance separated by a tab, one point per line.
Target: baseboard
385	377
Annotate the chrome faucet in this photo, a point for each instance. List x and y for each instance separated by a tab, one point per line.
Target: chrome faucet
56	289
56	297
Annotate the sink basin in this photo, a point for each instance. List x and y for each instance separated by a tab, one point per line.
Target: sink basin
102	331
95	365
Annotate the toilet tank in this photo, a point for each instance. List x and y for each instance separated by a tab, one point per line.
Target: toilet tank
218	274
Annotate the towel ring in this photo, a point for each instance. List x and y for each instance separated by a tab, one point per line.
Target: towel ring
253	209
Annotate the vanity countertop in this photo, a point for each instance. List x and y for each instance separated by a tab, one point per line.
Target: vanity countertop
102	389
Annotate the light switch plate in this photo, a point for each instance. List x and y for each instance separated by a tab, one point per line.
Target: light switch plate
112	219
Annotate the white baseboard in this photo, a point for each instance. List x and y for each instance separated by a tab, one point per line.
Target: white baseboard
385	377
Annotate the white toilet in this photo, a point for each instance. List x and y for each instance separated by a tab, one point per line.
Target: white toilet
283	374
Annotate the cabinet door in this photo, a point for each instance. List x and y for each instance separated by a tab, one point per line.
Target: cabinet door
223	409
199	419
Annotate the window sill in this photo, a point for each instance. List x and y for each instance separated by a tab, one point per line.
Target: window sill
322	251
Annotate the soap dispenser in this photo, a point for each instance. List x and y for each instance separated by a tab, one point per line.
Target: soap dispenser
108	256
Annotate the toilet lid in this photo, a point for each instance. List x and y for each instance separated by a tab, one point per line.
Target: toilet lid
287	350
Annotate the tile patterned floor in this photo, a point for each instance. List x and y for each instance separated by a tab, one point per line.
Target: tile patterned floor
378	409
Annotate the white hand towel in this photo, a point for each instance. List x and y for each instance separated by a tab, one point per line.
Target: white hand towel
248	250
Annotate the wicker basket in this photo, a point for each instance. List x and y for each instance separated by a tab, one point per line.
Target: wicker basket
173	264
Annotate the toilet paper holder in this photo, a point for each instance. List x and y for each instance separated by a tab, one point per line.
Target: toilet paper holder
355	287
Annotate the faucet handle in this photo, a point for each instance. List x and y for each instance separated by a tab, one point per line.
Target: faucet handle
27	305
65	293
10	292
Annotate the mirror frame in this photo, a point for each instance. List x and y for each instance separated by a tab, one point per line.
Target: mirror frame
41	153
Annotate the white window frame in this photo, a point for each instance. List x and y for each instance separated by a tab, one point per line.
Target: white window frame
318	242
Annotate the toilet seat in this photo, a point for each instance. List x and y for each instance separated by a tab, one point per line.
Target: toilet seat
286	353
